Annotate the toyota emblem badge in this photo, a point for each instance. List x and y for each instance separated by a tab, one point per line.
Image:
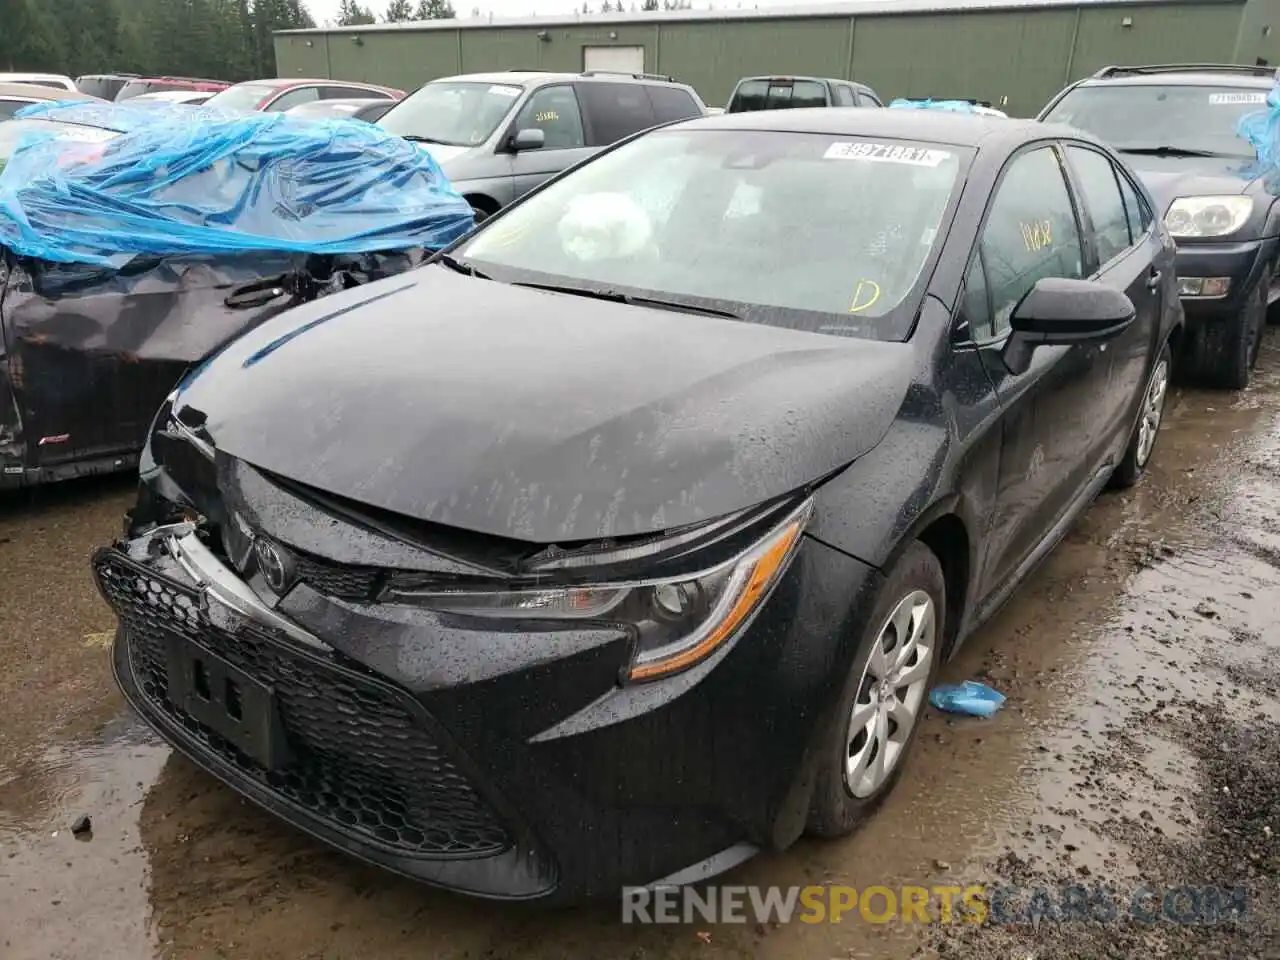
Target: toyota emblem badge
275	564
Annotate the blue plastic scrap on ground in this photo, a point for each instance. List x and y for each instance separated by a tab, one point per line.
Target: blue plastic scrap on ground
949	106
189	179
972	698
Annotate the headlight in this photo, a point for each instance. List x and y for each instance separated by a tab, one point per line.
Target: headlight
678	622
1207	216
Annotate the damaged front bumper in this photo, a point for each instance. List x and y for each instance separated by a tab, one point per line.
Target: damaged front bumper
331	748
504	760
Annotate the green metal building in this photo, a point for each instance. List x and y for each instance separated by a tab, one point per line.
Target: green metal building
1013	53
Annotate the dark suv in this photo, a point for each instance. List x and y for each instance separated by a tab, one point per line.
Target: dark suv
782	93
499	135
1176	126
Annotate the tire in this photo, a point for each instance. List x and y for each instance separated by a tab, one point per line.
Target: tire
482	211
1225	352
1147	430
836	808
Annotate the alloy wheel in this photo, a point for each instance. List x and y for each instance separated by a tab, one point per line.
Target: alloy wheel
891	694
1152	411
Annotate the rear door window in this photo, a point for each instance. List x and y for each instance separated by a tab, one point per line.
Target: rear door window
1135	209
1097	178
844	96
865	99
615	110
671	103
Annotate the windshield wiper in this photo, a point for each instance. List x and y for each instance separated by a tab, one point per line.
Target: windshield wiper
414	138
453	263
630	299
1171	152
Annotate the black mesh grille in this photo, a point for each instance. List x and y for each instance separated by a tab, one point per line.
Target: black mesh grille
363	758
337	580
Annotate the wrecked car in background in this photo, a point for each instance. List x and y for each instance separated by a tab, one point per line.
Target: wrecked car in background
134	242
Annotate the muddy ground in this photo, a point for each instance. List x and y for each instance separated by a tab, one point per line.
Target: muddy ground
1140	746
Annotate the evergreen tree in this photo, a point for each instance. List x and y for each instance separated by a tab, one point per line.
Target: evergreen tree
434	10
351	14
398	11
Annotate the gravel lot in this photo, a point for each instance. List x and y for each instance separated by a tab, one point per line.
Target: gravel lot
1140	747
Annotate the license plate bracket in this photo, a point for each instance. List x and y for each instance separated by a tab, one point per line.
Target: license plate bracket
228	701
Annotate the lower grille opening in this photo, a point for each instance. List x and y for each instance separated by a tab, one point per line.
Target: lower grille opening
363	759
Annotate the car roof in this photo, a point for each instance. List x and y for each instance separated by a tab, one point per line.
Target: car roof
957	129
27	91
793	76
33	76
1184	75
532	78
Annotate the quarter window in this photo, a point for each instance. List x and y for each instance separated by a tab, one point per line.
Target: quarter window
844	96
554	111
867	100
1101	193
671	103
615	110
1031	233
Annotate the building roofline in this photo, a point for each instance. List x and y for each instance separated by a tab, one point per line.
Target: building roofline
799	12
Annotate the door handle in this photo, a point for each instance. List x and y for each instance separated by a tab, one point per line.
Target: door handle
1153	281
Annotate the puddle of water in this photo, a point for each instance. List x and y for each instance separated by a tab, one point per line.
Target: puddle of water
64	897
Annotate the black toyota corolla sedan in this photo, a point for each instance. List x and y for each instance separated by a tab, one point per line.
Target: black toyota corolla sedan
624	539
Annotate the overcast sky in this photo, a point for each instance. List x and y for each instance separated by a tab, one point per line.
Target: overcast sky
323	10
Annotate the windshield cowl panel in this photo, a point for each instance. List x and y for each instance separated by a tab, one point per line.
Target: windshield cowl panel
817	232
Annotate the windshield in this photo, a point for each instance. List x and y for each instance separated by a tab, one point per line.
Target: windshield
460	114
242	98
777	95
12	132
814	232
1142	116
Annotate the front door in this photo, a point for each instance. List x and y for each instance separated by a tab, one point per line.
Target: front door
1052	411
554	110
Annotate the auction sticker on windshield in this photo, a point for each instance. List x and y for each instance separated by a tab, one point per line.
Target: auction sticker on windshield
1227	99
886	153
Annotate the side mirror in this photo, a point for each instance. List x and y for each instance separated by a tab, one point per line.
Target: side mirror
1061	312
530	138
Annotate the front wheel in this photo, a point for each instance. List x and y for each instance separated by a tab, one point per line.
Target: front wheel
1225	350
877	717
1143	441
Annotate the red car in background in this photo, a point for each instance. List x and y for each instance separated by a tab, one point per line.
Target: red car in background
140	85
284	94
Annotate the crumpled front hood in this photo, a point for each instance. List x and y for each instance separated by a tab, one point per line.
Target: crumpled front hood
540	416
1171	177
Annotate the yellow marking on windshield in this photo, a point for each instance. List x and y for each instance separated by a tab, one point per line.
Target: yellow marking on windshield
865	296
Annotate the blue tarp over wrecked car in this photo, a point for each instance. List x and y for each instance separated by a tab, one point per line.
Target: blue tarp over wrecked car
179	179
